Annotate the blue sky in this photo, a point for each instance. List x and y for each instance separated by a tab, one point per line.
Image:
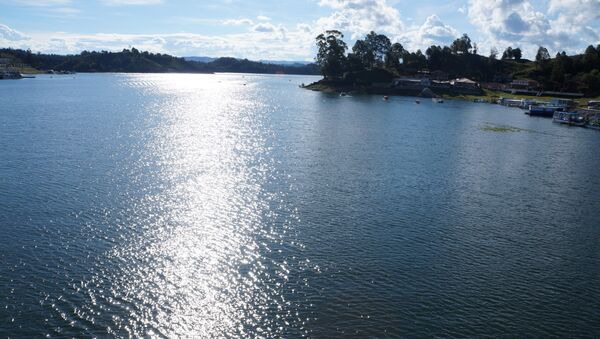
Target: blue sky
284	29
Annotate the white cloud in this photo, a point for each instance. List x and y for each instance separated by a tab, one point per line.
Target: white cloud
238	22
577	10
568	25
432	32
273	45
264	28
267	27
131	2
359	17
355	18
9	34
563	25
304	28
42	3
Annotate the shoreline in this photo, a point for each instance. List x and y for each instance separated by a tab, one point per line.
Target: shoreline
486	96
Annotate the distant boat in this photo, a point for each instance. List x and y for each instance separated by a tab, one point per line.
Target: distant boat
437	100
343	94
569	118
385	97
417	101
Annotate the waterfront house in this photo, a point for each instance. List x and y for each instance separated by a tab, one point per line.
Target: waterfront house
411	82
564	103
524	84
464	83
441	84
593	104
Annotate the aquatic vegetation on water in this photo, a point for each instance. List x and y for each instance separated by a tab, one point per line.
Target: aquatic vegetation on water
501	128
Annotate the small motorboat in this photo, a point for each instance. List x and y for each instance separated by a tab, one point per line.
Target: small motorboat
343	94
385	97
417	101
569	118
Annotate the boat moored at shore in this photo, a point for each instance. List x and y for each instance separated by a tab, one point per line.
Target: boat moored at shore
594	121
543	111
569	118
10	75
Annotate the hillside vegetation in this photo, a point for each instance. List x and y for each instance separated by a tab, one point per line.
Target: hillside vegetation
576	73
134	61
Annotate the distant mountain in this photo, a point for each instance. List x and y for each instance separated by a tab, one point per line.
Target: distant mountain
248	66
133	60
205	59
286	63
200	59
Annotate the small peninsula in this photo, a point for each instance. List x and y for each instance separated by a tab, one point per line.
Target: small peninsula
375	65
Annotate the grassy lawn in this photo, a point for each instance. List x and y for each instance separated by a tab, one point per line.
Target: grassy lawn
490	95
29	70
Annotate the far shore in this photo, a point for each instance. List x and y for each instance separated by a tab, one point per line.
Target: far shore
484	96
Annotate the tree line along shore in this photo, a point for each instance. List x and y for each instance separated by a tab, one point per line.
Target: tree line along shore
376	65
135	61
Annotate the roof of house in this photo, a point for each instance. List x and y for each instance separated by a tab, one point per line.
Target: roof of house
465	81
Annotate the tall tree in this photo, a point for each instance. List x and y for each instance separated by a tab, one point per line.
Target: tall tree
461	45
558	70
353	62
591	58
331	54
542	55
380	45
517	54
493	53
363	52
508	53
393	56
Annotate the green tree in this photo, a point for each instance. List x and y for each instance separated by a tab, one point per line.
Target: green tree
517	54
363	52
461	45
590	58
542	55
508	54
331	54
393	56
493	53
558	70
354	63
379	45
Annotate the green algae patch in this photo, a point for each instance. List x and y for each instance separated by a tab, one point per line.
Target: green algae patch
501	128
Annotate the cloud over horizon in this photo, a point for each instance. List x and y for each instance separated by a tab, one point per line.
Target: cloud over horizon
558	24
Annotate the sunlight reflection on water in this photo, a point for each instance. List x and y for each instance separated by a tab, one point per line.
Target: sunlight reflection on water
199	257
234	205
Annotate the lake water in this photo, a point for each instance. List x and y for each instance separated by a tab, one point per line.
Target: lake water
243	206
